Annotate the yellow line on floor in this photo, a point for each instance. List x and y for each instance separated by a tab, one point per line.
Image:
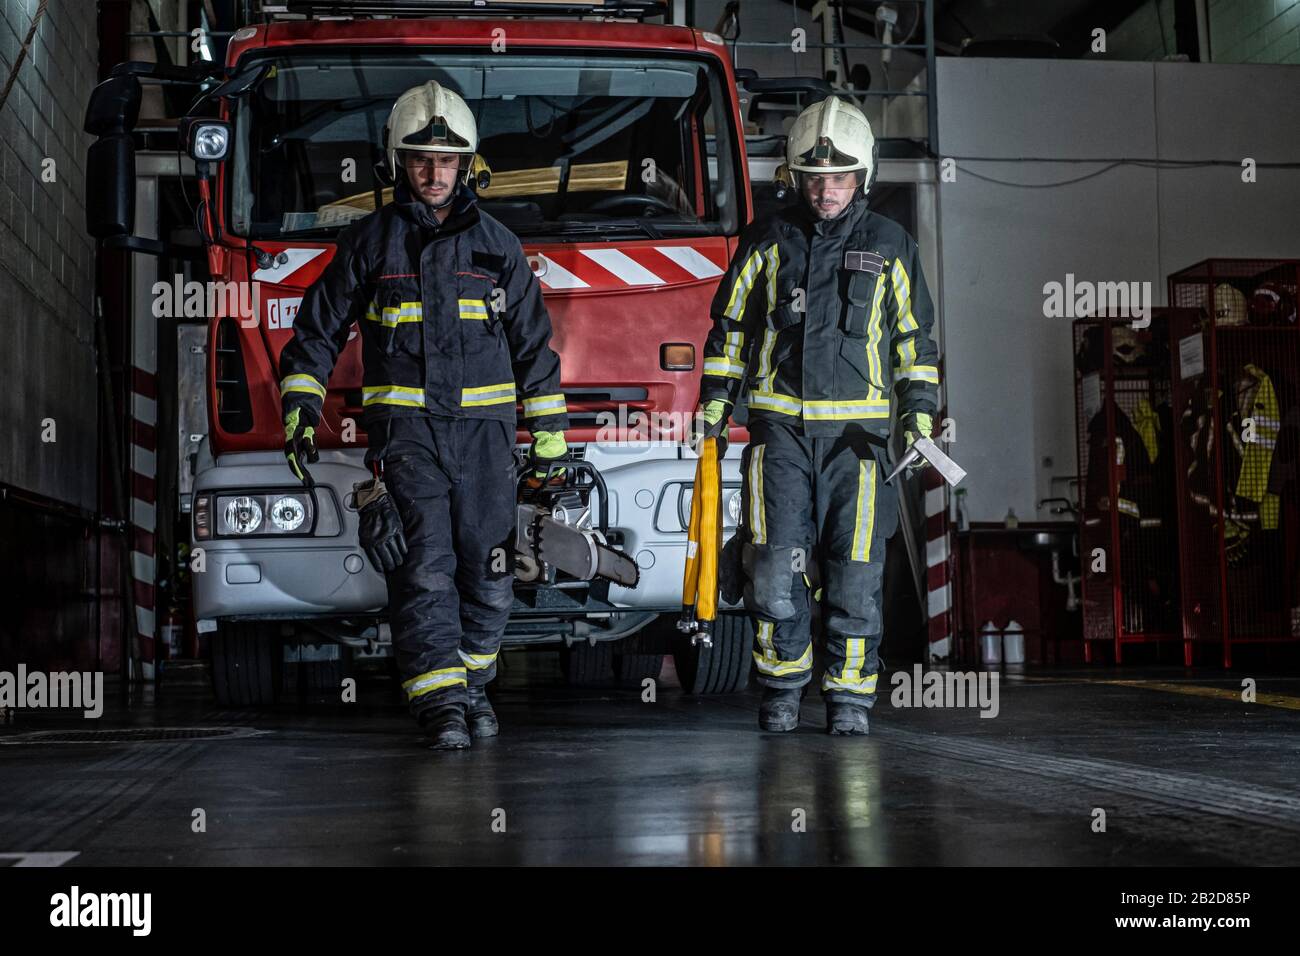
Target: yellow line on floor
1284	701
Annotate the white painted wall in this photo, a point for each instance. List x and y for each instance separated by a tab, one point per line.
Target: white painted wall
1009	369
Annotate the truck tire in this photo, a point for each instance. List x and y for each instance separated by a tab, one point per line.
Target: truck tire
588	665
317	679
245	659
638	657
722	668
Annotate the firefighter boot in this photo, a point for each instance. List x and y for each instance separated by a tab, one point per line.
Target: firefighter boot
445	727
846	720
482	719
779	710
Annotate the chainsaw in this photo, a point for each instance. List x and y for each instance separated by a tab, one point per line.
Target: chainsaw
554	531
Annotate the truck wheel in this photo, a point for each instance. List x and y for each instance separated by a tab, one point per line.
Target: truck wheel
638	657
722	668
245	658
317	670
588	665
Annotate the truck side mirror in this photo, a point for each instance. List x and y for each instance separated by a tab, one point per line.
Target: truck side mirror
111	115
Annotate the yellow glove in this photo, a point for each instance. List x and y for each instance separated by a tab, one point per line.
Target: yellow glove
709	420
916	425
300	444
547	448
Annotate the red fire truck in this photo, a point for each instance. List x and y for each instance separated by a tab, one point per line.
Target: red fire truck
617	156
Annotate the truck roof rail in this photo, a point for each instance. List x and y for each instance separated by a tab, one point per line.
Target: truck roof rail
359	9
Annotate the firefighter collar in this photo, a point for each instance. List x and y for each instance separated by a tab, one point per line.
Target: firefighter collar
463	212
844	222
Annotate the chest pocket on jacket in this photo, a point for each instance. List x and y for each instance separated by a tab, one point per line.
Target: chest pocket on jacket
478	298
395	315
858	290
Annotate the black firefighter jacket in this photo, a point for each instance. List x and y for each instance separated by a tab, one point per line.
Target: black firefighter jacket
818	320
451	317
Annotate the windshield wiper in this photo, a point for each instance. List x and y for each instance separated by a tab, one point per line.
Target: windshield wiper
658	230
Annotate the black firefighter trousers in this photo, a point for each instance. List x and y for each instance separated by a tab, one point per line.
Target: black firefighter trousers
803	493
453	481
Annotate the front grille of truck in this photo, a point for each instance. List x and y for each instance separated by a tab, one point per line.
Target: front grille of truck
587	404
234	407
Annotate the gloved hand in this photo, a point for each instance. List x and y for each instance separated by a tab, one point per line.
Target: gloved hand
547	448
916	425
300	443
709	421
381	526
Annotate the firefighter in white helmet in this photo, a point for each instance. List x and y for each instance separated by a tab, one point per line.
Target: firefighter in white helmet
453	331
822	314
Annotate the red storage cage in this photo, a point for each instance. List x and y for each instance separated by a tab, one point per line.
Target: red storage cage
1236	389
1127	516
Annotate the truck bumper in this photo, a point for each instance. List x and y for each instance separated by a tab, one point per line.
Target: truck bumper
329	575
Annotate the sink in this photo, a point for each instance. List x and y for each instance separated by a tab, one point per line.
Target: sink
1038	540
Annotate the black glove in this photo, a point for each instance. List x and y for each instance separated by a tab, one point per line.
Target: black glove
381	526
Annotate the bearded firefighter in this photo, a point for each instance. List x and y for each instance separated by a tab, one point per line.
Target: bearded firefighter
822	314
453	333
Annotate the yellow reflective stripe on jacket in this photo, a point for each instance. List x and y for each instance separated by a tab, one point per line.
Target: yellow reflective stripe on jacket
835	410
733	346
741	287
302	383
1257	455
723	367
903	298
771	667
773	263
488	395
874	330
757	507
864	522
477	662
433	680
473	309
854	685
545	405
392	315
920	373
392	395
765	370
775	402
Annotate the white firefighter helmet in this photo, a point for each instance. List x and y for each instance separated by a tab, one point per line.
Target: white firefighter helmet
1229	305
832	136
430	118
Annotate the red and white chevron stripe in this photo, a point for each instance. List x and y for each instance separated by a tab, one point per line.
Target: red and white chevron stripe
607	268
939	558
144	523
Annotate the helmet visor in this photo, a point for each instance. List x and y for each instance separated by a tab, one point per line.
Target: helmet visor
434	134
824	154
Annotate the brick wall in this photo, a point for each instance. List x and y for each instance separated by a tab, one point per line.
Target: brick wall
1241	31
47	367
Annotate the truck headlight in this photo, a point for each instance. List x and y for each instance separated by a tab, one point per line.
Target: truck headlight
257	514
730	506
288	513
242	515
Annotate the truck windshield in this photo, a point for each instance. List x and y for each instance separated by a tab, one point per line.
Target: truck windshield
579	146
